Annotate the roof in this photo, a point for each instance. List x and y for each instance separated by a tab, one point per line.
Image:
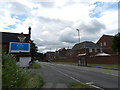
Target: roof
86	44
84	54
12	37
107	36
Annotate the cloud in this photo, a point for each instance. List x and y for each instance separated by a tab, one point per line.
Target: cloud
68	35
54	22
91	27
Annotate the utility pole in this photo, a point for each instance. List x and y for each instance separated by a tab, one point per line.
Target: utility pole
78	35
79	46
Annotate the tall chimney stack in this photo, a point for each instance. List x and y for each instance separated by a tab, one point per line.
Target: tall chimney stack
29	33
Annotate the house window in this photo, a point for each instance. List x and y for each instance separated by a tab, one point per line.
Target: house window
101	50
90	50
95	49
104	43
100	44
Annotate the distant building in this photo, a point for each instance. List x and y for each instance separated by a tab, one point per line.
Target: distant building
105	42
50	56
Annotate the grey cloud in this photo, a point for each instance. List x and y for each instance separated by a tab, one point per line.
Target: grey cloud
47	4
18	8
92	27
68	35
49	44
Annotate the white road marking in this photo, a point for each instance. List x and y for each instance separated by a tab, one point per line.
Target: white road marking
74	78
101	70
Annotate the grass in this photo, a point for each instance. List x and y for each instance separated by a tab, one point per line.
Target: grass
72	63
78	86
34	82
105	65
35	65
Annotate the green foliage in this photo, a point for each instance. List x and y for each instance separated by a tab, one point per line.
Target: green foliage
34	54
33	50
40	57
116	43
16	77
35	65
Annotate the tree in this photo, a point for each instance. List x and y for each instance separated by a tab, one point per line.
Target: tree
116	43
40	57
33	50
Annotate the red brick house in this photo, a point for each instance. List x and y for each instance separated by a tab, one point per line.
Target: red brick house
50	56
71	55
87	47
105	42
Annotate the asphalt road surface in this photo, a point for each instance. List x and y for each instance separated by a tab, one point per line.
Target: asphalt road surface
60	75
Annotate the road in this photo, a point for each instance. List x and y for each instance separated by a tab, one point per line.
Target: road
60	75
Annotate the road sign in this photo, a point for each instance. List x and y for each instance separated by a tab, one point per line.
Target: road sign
15	47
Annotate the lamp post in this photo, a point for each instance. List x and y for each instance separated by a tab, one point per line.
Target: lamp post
78	35
79	46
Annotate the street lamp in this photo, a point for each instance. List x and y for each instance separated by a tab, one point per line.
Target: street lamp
78	35
79	46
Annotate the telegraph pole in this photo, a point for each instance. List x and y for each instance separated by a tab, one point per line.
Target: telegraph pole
78	35
79	46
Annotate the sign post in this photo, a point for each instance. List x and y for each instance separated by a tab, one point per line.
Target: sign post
21	51
16	47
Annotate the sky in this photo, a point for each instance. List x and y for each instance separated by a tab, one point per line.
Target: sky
54	22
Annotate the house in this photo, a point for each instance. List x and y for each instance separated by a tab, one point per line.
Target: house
68	53
87	47
50	56
84	49
105	42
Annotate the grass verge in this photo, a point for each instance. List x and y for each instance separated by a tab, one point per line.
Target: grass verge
36	66
34	82
105	65
66	63
78	86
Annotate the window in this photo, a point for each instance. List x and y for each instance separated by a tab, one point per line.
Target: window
95	49
101	50
104	43
100	44
90	50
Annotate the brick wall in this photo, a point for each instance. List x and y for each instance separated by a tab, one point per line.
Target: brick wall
73	59
114	59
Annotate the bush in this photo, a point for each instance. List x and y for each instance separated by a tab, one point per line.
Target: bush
14	76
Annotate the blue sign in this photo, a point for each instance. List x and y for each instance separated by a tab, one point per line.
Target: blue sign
19	47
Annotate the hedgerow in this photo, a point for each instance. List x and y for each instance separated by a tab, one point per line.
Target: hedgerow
14	76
